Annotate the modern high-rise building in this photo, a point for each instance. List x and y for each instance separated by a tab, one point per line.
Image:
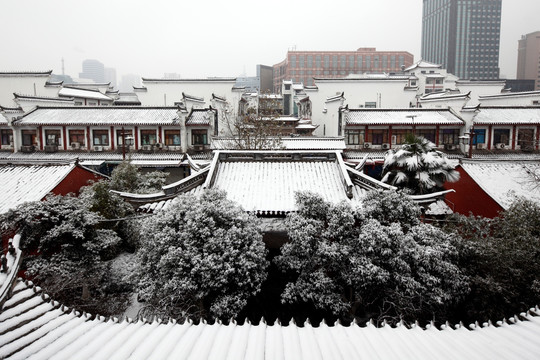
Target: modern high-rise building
463	36
303	66
110	76
528	66
94	70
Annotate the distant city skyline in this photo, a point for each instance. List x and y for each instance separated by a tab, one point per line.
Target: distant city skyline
164	36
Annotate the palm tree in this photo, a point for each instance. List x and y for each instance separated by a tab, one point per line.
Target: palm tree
418	166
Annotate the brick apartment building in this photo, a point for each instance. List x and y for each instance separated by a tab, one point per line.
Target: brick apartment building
303	66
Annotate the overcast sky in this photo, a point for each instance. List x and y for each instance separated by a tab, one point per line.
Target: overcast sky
217	37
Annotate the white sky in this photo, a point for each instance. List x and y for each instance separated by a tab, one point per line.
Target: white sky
217	37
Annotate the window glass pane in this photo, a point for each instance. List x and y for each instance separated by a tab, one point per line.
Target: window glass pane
501	136
77	136
451	136
378	136
172	137
29	137
52	137
7	136
479	136
101	137
526	138
148	137
426	133
199	137
355	137
120	138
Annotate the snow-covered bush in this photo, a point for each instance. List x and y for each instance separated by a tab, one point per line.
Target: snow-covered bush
65	250
418	166
501	257
125	177
390	207
201	257
366	263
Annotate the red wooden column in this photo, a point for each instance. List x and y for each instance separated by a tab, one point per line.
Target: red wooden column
366	134
537	145
437	131
112	137
40	130
88	139
64	136
136	137
514	137
390	136
490	128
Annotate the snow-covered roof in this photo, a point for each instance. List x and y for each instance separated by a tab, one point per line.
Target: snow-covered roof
192	98
268	187
424	65
127	99
337	97
83	93
105	115
25	73
510	95
505	180
291	143
507	116
181	80
154	158
200	117
439	207
22	183
34	326
22	97
444	96
265	182
469	82
402	117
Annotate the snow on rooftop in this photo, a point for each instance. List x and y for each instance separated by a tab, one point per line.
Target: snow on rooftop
423	65
508	115
402	117
505	180
106	115
269	187
290	143
35	327
83	93
200	117
23	183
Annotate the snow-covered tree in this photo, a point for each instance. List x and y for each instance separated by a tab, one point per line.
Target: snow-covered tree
125	177
202	256
501	257
256	128
65	250
418	166
363	263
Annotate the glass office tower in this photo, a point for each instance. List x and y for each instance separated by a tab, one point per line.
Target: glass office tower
463	36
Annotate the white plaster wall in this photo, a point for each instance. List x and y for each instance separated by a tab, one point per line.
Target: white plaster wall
166	93
357	93
479	89
21	85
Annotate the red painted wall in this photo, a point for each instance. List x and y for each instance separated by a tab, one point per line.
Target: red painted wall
470	197
76	179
